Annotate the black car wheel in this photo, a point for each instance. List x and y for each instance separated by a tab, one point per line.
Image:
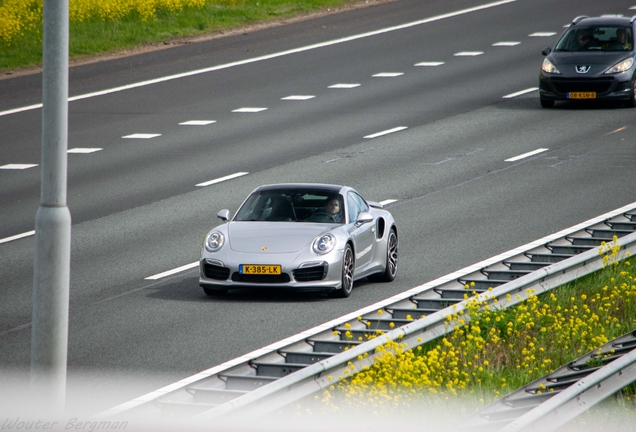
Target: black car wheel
346	278
631	102
546	103
390	270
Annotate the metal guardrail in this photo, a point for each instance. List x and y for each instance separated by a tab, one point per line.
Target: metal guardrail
275	376
560	396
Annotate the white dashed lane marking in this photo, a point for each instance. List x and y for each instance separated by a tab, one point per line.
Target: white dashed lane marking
522	92
525	155
542	34
388	74
249	110
81	150
505	44
197	122
468	53
429	64
344	86
17	166
17	237
173	271
386	132
298	97
141	136
222	179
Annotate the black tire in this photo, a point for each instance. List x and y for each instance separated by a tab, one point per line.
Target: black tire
631	102
346	276
546	103
214	291
391	265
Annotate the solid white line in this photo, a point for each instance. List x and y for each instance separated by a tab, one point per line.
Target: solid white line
84	150
525	155
248	110
197	122
18	166
361	312
298	97
522	92
222	179
344	86
141	136
17	237
386	132
429	64
271	56
173	271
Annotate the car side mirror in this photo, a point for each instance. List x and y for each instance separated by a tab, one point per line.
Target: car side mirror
546	51
363	218
224	215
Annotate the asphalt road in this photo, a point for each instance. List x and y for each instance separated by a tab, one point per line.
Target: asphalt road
137	211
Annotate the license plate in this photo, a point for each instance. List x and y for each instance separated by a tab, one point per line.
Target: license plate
582	95
258	269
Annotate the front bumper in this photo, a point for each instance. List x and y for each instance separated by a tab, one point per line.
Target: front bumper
301	274
555	87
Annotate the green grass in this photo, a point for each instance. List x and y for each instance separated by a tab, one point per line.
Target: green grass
95	36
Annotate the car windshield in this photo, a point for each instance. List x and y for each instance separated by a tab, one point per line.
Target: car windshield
596	38
296	205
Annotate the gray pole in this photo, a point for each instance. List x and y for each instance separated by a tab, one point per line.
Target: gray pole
49	336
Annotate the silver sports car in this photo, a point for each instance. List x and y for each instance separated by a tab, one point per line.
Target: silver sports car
309	237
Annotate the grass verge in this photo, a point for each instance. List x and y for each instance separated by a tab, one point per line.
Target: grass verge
94	35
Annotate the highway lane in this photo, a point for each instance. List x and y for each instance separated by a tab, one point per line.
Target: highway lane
458	200
100	123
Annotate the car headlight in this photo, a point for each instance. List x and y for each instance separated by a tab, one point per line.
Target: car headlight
214	241
549	67
622	66
324	244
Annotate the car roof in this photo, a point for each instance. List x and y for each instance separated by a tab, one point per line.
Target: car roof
302	186
601	21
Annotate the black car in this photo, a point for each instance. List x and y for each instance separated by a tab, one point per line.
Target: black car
593	59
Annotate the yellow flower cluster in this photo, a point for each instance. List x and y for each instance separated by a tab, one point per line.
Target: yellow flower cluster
492	351
20	16
82	10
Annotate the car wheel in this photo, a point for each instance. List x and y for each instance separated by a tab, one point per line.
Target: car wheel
546	103
631	102
391	266
214	291
346	277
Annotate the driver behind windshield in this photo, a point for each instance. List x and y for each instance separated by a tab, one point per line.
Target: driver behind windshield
332	207
584	39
